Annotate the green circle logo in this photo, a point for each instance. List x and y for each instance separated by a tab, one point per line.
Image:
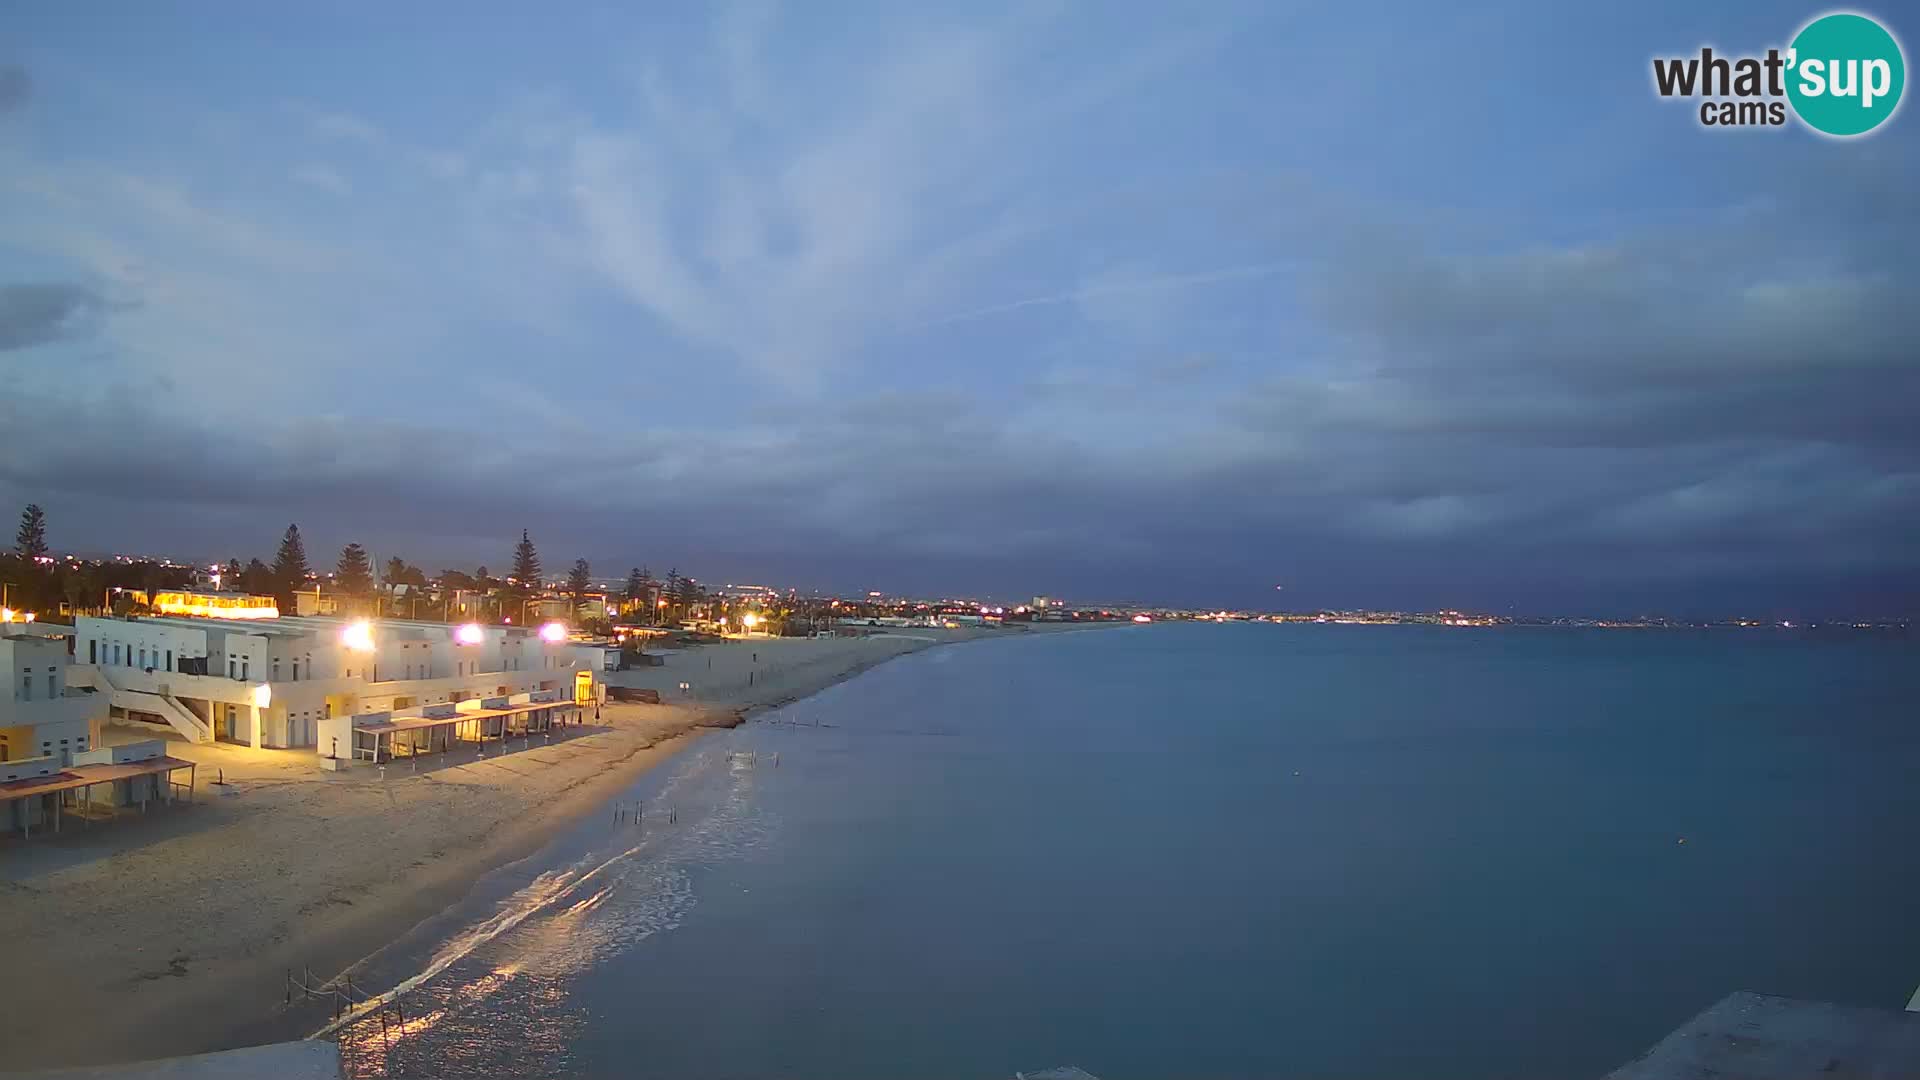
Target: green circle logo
1845	74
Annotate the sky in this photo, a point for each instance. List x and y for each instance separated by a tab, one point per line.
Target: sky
1261	304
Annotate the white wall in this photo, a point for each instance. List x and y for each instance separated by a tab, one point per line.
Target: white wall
57	729
35	668
96	639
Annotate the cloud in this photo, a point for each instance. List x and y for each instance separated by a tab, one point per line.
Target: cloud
921	298
39	313
322	178
15	87
1122	284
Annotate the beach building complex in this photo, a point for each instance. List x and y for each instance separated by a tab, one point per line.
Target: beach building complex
271	682
43	713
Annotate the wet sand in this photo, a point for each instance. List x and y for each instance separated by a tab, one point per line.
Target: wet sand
171	933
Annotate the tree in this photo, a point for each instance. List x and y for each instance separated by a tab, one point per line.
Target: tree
31	541
354	574
640	589
289	567
690	592
400	573
670	592
579	580
230	578
257	579
526	563
75	587
457	579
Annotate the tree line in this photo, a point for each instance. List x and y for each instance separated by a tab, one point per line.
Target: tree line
34	580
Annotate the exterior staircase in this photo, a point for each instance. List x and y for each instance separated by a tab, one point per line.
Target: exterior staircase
163	705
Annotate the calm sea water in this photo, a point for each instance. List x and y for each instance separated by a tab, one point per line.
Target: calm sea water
1215	851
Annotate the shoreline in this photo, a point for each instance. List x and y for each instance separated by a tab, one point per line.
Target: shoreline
218	966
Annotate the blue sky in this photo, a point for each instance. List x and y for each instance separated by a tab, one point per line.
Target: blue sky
1390	303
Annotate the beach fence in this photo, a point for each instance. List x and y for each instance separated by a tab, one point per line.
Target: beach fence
379	1022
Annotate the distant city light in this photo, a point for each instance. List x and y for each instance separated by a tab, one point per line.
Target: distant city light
469	634
6	614
358	636
553	631
1142	618
749	620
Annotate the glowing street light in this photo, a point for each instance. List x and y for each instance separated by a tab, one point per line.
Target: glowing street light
469	634
749	620
262	695
553	631
358	636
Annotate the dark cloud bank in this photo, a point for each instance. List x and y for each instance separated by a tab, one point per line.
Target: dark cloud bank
1704	420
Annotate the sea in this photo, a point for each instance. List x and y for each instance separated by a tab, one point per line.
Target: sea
1210	850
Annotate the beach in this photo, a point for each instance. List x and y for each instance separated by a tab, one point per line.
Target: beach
172	933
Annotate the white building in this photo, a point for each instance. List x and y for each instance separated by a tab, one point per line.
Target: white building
270	682
41	714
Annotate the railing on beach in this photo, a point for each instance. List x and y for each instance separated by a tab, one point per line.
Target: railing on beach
367	1027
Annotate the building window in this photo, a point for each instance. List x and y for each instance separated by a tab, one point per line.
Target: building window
296	671
116	655
233	668
26	684
276	669
93	650
243	667
169	659
143	656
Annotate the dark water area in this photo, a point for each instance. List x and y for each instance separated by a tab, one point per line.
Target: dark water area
1213	851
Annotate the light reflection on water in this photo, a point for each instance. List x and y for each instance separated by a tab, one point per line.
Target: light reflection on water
494	999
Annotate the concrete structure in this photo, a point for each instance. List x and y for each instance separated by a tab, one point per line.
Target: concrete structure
431	729
1755	1037
271	682
308	1059
42	712
34	794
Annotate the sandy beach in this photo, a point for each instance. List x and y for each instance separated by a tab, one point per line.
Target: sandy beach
169	933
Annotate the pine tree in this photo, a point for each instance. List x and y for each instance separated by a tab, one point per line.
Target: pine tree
289	567
636	587
579	580
670	591
690	592
526	563
31	541
354	574
257	579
